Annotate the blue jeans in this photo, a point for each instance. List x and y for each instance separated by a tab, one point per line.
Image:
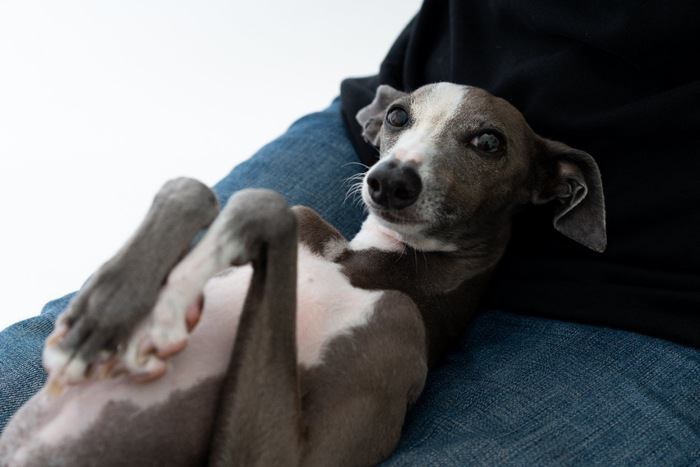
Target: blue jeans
518	390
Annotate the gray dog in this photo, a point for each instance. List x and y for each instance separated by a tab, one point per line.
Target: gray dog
308	349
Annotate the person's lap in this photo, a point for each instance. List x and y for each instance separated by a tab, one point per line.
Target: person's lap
522	390
518	390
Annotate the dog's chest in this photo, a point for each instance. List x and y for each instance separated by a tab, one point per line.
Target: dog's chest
327	304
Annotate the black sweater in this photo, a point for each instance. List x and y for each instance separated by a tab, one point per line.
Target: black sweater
617	78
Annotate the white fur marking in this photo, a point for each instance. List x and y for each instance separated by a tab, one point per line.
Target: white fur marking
413	237
328	306
431	114
374	235
334	248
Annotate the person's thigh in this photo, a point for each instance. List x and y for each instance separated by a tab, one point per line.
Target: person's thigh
310	164
528	391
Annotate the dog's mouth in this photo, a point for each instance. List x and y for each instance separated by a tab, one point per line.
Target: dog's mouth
396	217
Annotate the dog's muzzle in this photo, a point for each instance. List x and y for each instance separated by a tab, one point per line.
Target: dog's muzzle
394	185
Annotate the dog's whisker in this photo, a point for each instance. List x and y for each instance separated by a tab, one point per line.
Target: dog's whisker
356	163
354	179
354	193
355	188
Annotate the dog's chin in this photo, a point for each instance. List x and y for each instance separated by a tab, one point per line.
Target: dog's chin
404	225
404	222
410	231
394	217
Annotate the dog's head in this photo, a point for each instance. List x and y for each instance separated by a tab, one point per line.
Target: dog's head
455	160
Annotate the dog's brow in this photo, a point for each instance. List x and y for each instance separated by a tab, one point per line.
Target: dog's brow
493	125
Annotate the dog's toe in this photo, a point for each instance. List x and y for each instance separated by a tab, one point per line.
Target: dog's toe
54	358
163	334
152	369
173	317
194	313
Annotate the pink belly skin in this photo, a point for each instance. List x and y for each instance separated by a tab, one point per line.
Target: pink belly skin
168	421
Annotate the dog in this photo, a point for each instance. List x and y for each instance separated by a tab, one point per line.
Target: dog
308	348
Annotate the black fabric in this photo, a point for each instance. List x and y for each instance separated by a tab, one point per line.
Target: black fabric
618	79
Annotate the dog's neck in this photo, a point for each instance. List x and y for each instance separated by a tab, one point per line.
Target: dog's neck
477	251
374	235
445	283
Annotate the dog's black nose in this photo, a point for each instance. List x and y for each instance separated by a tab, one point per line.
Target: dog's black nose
394	185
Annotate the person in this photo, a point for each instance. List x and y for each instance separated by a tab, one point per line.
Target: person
577	358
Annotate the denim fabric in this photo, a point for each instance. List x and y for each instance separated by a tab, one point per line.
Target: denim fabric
517	391
528	391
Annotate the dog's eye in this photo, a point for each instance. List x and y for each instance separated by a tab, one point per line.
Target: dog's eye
487	142
397	117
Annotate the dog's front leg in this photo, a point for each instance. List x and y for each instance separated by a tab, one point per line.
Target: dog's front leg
259	410
125	289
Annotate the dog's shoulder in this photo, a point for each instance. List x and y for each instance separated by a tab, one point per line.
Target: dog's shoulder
318	235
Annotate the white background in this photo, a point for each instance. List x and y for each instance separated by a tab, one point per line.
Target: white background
103	101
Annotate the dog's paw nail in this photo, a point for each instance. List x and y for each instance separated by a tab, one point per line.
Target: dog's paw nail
153	369
104	369
145	348
54	359
56	335
171	348
194	313
75	371
169	333
54	387
118	369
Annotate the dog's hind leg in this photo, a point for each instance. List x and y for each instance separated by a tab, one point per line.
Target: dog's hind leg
259	420
354	404
125	289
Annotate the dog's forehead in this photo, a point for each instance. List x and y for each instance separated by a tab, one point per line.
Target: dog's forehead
436	102
441	103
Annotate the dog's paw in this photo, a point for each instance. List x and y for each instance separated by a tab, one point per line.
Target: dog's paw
92	332
166	330
253	217
120	322
101	316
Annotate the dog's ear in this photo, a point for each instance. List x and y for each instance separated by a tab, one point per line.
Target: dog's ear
371	117
571	179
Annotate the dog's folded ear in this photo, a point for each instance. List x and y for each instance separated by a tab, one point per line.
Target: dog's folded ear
571	179
371	117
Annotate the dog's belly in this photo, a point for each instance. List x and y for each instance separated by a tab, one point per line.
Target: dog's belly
117	417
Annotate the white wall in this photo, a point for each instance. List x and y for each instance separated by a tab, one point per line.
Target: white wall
102	101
